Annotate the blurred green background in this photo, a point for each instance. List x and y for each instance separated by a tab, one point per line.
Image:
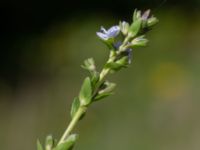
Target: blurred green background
156	103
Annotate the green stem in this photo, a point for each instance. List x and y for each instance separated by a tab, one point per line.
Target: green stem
73	122
82	109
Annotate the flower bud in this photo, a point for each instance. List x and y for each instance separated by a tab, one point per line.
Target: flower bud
124	27
152	21
139	41
136	15
89	64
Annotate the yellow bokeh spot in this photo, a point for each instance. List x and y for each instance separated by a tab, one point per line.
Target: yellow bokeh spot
169	81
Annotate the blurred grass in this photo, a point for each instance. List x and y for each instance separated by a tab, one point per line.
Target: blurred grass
156	105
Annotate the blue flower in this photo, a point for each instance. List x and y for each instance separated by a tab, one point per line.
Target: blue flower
117	45
110	33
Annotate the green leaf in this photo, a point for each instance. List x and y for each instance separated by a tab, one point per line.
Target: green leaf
39	145
49	143
75	106
68	143
85	94
121	63
114	66
135	27
101	96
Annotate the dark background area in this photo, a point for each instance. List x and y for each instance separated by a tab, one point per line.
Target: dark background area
156	103
20	20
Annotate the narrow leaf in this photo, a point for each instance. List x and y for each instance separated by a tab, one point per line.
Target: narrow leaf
135	27
101	96
85	92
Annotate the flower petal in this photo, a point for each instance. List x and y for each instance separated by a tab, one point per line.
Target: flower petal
102	36
113	31
117	45
104	30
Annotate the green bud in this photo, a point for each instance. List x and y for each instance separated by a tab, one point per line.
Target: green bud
136	15
152	21
124	27
145	17
89	64
139	41
146	14
49	142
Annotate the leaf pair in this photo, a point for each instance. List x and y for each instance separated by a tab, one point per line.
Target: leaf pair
85	97
117	65
66	145
49	144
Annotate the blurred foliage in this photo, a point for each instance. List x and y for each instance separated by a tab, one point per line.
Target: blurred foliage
40	74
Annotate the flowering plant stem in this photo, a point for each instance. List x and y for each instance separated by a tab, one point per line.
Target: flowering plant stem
95	87
83	109
73	123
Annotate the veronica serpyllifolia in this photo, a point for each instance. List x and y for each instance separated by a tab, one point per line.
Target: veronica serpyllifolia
95	87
